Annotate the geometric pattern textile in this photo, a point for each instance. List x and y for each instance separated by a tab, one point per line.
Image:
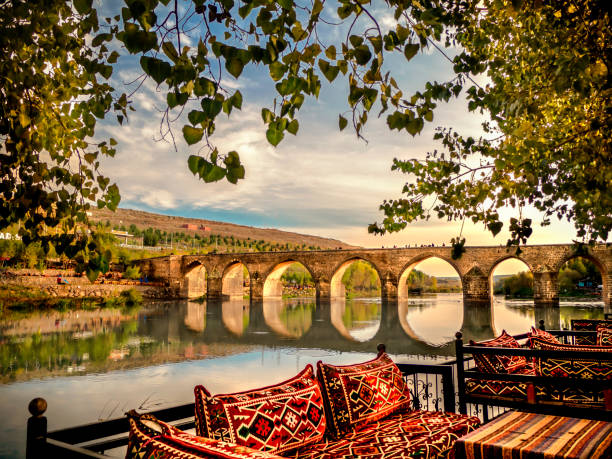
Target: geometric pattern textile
604	336
535	436
570	367
542	334
361	393
410	434
275	418
491	363
544	393
588	325
154	439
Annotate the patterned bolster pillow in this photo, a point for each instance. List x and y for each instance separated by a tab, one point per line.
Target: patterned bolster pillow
276	418
567	367
359	394
151	438
604	335
492	363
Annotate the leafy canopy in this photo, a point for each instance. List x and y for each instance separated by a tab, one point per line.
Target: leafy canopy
546	94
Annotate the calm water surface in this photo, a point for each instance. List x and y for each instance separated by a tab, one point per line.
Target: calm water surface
92	365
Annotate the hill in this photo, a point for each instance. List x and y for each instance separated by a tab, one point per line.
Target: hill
143	220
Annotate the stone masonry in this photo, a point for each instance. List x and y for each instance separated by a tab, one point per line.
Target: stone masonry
219	275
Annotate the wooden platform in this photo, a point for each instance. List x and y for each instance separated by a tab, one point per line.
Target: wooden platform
534	436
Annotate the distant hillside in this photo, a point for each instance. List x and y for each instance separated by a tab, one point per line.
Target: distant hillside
143	220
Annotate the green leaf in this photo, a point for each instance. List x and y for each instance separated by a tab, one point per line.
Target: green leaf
267	115
362	54
274	135
196	117
495	227
237	100
342	122
286	4
234	66
410	50
83	6
215	174
330	52
293	127
192	135
329	71
156	68
194	162
170	51
277	70
204	87
211	107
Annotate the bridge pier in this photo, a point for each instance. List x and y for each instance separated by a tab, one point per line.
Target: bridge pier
215	288
257	289
323	290
476	288
546	288
389	291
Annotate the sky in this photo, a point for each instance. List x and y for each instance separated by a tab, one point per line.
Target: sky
322	181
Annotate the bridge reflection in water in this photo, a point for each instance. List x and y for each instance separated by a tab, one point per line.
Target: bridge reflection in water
83	342
338	325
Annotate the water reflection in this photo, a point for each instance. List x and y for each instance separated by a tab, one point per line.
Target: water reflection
356	320
288	319
78	359
431	318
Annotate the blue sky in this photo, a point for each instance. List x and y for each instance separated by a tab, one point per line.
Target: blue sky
322	181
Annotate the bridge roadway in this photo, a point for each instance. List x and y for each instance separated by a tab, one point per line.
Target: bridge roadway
221	275
217	322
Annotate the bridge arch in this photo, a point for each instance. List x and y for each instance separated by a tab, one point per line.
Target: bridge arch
520	265
402	285
194	282
604	272
232	280
337	288
273	287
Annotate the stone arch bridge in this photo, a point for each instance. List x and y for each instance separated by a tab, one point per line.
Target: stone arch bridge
221	275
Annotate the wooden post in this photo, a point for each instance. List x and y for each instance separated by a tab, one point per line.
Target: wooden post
37	429
460	374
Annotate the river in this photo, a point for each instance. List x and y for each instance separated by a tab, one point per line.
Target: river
97	364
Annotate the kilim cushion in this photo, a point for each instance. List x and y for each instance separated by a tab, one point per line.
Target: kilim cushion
570	367
542	334
410	434
361	393
604	336
274	418
588	325
491	363
154	439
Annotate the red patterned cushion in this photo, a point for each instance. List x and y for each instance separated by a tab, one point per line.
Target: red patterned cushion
403	435
588	325
361	393
568	367
151	438
604	336
274	418
543	334
491	363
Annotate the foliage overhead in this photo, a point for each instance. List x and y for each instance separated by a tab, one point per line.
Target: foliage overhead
544	67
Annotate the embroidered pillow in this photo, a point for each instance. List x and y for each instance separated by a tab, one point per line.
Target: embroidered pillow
361	393
151	438
564	366
274	418
588	325
604	336
543	335
492	363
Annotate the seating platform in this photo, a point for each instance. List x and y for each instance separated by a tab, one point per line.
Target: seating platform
532	435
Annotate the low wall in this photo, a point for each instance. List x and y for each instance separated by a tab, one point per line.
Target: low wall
105	290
